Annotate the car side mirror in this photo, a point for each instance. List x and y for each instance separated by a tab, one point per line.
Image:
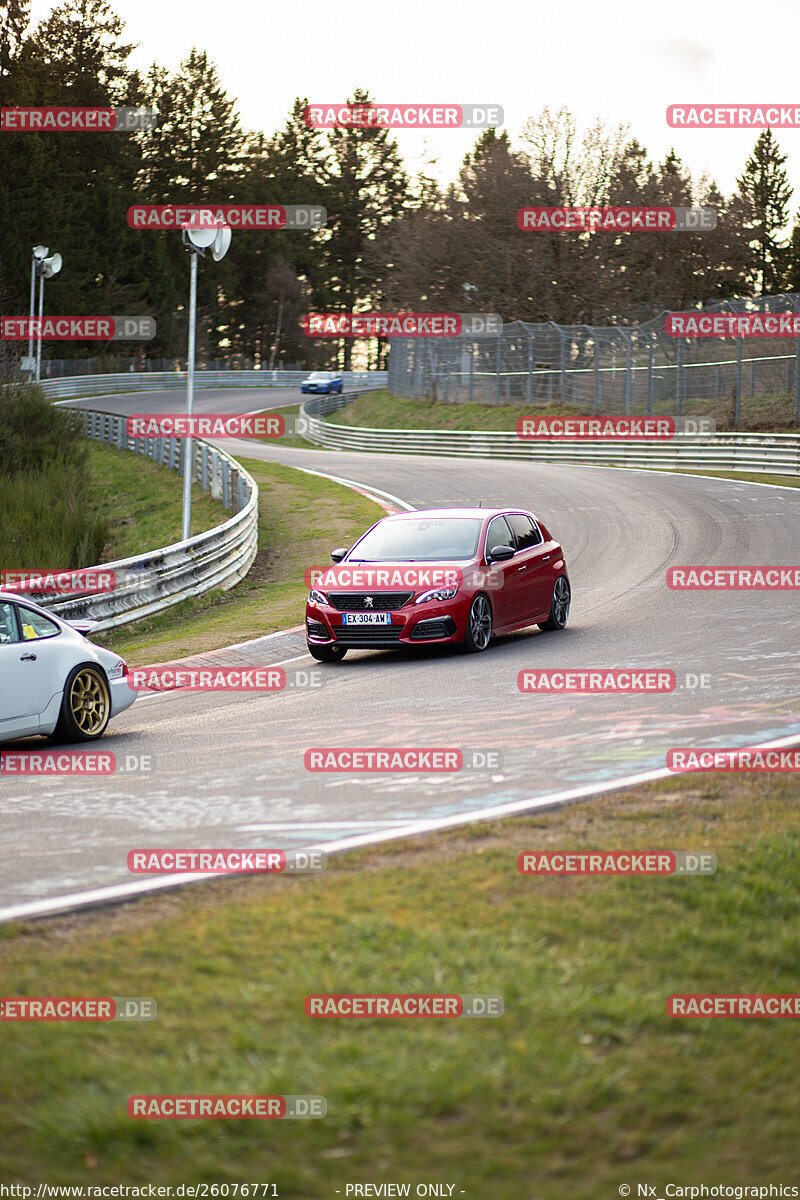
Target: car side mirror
501	554
338	555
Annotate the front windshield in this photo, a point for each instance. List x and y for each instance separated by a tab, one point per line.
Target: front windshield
423	540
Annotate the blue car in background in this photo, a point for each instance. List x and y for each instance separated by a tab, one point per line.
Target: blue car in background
322	382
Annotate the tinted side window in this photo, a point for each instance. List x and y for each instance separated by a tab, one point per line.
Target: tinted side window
34	625
525	532
498	534
8	624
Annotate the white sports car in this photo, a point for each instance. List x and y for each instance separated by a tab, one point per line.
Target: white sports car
52	680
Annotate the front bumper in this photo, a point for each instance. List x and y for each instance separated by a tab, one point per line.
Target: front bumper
413	625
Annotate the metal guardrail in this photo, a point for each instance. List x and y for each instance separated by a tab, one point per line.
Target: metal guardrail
148	381
763	453
149	583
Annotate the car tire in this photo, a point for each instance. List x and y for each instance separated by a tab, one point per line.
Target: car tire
479	625
559	605
328	654
85	705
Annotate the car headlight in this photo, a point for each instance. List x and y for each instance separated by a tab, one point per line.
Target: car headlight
442	593
317	597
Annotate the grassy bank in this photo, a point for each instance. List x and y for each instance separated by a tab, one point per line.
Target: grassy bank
47	519
583	1085
301	519
381	410
71	502
141	502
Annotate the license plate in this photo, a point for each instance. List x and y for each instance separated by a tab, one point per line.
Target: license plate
367	618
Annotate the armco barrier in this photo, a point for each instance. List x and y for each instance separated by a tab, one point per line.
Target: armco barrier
777	454
156	381
220	558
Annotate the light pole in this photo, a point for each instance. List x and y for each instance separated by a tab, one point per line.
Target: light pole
45	268
39	252
197	240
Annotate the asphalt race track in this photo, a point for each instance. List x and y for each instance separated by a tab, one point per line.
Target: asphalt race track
206	400
228	768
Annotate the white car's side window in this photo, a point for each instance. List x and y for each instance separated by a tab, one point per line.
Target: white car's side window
8	624
34	625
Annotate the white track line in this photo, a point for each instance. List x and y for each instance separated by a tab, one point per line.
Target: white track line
365	488
99	896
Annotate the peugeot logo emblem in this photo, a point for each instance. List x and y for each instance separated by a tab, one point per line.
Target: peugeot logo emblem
368	602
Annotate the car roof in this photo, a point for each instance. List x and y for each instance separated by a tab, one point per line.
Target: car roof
15	596
454	512
18	598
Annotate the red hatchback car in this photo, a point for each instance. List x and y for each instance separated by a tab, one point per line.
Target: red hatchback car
440	575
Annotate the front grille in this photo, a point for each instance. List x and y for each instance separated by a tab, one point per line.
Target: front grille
445	627
381	601
367	635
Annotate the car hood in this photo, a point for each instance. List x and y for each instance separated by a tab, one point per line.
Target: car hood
392	576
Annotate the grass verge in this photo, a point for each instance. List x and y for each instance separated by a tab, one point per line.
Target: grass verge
381	410
301	519
743	476
583	1085
142	502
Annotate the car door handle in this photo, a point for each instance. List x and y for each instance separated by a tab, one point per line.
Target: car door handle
523	568
27	658
545	558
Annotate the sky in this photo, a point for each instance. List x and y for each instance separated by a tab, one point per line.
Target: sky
621	62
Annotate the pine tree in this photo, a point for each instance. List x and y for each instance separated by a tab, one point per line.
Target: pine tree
765	185
14	17
195	154
287	168
793	270
368	189
70	190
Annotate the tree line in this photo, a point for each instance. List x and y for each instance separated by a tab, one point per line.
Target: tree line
391	242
